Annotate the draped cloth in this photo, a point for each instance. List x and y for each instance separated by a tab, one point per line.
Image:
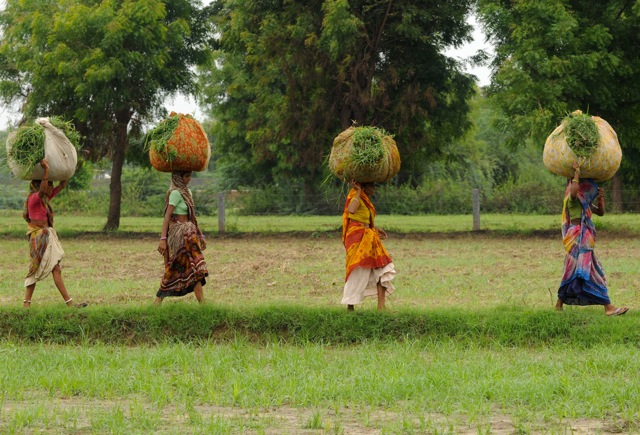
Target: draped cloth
177	183
34	188
367	260
583	279
184	266
45	250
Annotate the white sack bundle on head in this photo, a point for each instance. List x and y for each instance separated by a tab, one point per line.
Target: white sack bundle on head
28	145
599	162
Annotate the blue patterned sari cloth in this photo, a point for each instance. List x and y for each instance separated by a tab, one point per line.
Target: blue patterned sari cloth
583	278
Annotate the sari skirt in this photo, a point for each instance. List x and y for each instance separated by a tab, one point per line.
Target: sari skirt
583	279
185	266
368	263
46	252
363	283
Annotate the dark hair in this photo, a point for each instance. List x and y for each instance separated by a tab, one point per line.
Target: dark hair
182	173
36	183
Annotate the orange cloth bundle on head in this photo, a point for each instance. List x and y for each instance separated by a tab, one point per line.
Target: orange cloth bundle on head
179	143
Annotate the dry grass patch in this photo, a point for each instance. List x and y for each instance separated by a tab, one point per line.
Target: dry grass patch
461	271
88	416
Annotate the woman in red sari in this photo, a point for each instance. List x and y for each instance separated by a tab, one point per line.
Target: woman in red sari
45	248
369	266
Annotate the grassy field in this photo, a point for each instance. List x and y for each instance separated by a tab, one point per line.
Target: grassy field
13	224
471	343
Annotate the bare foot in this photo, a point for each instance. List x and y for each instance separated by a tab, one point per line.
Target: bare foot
559	305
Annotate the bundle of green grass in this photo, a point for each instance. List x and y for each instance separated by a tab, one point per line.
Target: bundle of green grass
587	140
364	154
52	138
581	134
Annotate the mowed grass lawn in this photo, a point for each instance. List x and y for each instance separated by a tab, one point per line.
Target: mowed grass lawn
253	383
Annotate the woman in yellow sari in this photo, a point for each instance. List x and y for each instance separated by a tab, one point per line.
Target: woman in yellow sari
369	266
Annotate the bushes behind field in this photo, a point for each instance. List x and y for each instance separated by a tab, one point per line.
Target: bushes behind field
144	191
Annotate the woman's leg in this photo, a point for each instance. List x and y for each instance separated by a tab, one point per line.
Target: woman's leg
559	304
197	290
57	279
381	295
350	308
28	294
158	301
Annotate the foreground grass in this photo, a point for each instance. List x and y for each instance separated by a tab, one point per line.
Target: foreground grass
409	386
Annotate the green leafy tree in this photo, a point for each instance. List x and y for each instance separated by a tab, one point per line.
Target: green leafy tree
108	65
555	56
289	76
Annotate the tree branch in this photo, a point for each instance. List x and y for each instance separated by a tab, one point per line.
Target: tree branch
384	22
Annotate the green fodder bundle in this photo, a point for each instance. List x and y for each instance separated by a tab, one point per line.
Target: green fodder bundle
365	154
26	147
158	137
573	141
29	144
178	143
581	134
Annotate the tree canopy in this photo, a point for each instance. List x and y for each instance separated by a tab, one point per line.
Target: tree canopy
289	76
554	56
107	65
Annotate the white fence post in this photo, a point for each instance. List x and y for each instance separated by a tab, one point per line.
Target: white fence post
476	210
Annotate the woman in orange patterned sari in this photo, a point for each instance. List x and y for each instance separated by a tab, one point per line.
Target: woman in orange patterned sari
181	243
369	266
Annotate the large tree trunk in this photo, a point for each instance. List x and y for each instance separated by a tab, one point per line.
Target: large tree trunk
115	190
359	98
616	192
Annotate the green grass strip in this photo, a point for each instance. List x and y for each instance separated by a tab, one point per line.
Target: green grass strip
175	323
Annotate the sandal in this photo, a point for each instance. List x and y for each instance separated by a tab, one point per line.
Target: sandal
619	311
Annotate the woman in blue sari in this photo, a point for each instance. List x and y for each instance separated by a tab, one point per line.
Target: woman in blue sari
583	279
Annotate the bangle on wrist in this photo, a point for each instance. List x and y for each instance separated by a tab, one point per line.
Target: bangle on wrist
163	238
